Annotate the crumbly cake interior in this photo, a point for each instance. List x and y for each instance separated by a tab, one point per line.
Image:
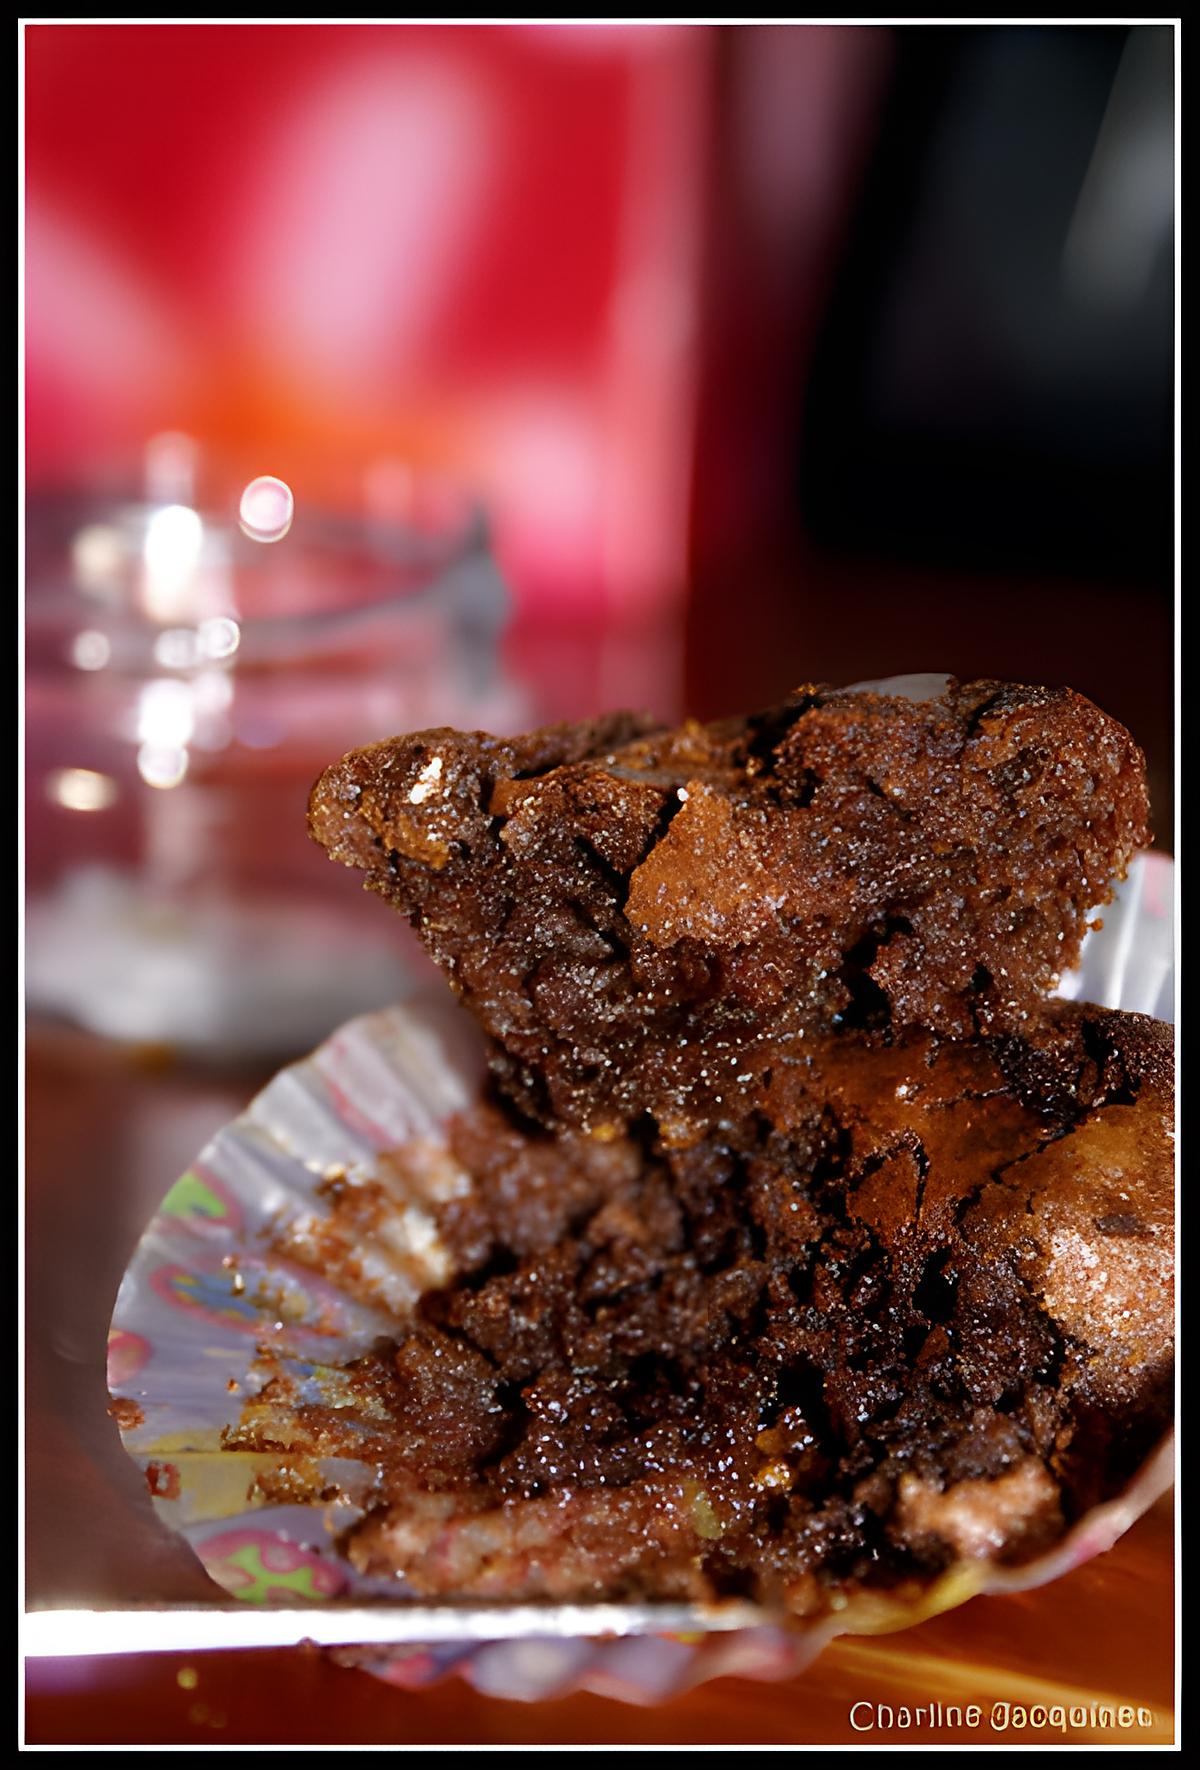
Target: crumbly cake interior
911	1308
635	915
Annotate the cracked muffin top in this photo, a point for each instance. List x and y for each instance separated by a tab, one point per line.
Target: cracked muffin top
636	914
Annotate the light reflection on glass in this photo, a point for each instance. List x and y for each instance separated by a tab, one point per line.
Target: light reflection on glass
90	650
190	626
97	553
171	550
166	721
81	789
165	713
162	765
218	637
266	509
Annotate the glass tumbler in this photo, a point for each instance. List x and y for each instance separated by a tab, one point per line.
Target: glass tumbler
186	684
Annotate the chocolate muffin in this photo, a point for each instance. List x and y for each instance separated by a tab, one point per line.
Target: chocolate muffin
801	1250
911	1309
637	915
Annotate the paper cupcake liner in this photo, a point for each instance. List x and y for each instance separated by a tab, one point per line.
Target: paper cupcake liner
221	1273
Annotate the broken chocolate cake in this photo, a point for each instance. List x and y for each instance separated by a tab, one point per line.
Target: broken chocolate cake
802	1249
916	1311
631	912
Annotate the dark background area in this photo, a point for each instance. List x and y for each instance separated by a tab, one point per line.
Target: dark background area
976	410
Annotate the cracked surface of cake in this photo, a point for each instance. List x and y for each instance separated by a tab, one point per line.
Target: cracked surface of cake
636	914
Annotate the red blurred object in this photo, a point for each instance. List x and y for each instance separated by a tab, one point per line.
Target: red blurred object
577	266
312	247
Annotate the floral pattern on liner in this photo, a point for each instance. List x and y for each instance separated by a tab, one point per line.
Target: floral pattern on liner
207	1311
258	1566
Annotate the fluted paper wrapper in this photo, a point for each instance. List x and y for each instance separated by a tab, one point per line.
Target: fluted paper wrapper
208	1289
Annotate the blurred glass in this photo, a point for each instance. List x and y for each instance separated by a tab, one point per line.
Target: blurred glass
188	679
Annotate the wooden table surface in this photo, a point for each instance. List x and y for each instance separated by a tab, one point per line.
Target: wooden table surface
107	1132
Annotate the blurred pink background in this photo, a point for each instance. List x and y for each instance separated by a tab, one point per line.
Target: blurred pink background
316	249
